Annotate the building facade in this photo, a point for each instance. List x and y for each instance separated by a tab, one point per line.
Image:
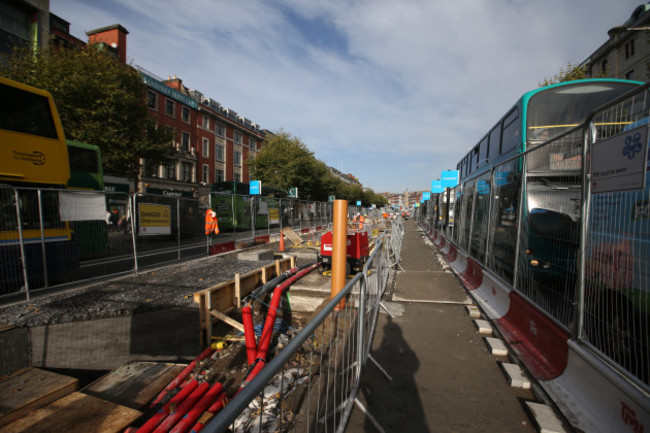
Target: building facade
627	52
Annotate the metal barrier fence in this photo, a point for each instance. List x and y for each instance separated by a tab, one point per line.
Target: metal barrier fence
51	237
312	383
581	255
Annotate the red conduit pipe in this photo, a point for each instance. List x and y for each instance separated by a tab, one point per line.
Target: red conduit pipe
165	410
210	413
267	331
193	414
182	409
249	333
178	380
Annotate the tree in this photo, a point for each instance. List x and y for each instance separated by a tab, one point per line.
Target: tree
100	101
568	73
285	162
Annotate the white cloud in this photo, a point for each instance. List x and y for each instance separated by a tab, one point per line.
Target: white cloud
408	86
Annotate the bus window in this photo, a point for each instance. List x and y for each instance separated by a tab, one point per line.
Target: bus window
495	142
483	152
510	137
25	112
475	158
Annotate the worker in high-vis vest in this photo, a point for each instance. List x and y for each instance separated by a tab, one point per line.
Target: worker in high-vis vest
362	219
211	222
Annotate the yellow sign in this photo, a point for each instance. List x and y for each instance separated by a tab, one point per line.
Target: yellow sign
155	219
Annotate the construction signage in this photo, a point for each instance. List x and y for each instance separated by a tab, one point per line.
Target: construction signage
155	219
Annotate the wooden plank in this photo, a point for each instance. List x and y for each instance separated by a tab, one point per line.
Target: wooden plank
232	322
135	383
76	413
293	236
30	389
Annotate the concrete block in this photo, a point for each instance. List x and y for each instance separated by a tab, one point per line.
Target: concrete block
516	376
546	418
255	255
497	346
473	311
483	326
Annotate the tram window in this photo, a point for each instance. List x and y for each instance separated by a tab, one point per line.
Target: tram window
483	152
26	112
510	132
495	142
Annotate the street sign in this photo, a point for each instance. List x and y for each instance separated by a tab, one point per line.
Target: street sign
331	198
255	187
293	192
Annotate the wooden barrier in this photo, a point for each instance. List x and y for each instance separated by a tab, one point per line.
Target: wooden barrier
217	301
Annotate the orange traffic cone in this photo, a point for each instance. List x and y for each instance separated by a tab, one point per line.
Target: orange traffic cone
281	242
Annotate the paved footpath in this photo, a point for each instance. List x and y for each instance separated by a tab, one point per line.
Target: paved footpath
443	377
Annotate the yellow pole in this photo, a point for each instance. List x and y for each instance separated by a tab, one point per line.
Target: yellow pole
339	247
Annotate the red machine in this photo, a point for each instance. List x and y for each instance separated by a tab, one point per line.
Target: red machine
357	251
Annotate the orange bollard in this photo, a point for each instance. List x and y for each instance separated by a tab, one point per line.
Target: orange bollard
281	241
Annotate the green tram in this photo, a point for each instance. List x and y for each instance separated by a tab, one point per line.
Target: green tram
238	211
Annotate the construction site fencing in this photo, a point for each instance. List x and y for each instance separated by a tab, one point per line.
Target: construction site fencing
245	217
54	237
579	254
313	382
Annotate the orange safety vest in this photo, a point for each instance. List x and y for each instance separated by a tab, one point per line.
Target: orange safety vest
361	221
211	222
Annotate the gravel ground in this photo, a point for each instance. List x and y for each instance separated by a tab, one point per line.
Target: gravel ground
163	288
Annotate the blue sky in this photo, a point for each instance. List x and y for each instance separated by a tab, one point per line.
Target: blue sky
392	91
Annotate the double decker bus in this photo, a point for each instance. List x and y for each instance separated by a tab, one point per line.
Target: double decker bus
33	169
570	295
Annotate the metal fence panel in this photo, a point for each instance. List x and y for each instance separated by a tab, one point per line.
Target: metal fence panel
312	383
616	312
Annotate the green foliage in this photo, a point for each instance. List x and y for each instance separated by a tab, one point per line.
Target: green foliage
568	73
100	101
285	162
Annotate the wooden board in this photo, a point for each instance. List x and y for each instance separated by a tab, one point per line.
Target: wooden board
135	383
227	296
293	236
76	413
30	389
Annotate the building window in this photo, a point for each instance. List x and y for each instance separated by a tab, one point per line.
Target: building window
218	152
185	114
604	66
219	175
206	147
237	137
237	177
252	143
152	100
169	107
186	171
205	174
629	75
237	157
629	49
219	130
169	172
185	141
206	121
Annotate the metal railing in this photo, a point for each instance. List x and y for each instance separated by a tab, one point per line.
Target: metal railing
312	383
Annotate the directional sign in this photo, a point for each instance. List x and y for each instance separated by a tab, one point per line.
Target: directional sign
293	192
436	186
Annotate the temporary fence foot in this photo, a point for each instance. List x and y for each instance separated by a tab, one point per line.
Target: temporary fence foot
381	304
370	417
374	361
